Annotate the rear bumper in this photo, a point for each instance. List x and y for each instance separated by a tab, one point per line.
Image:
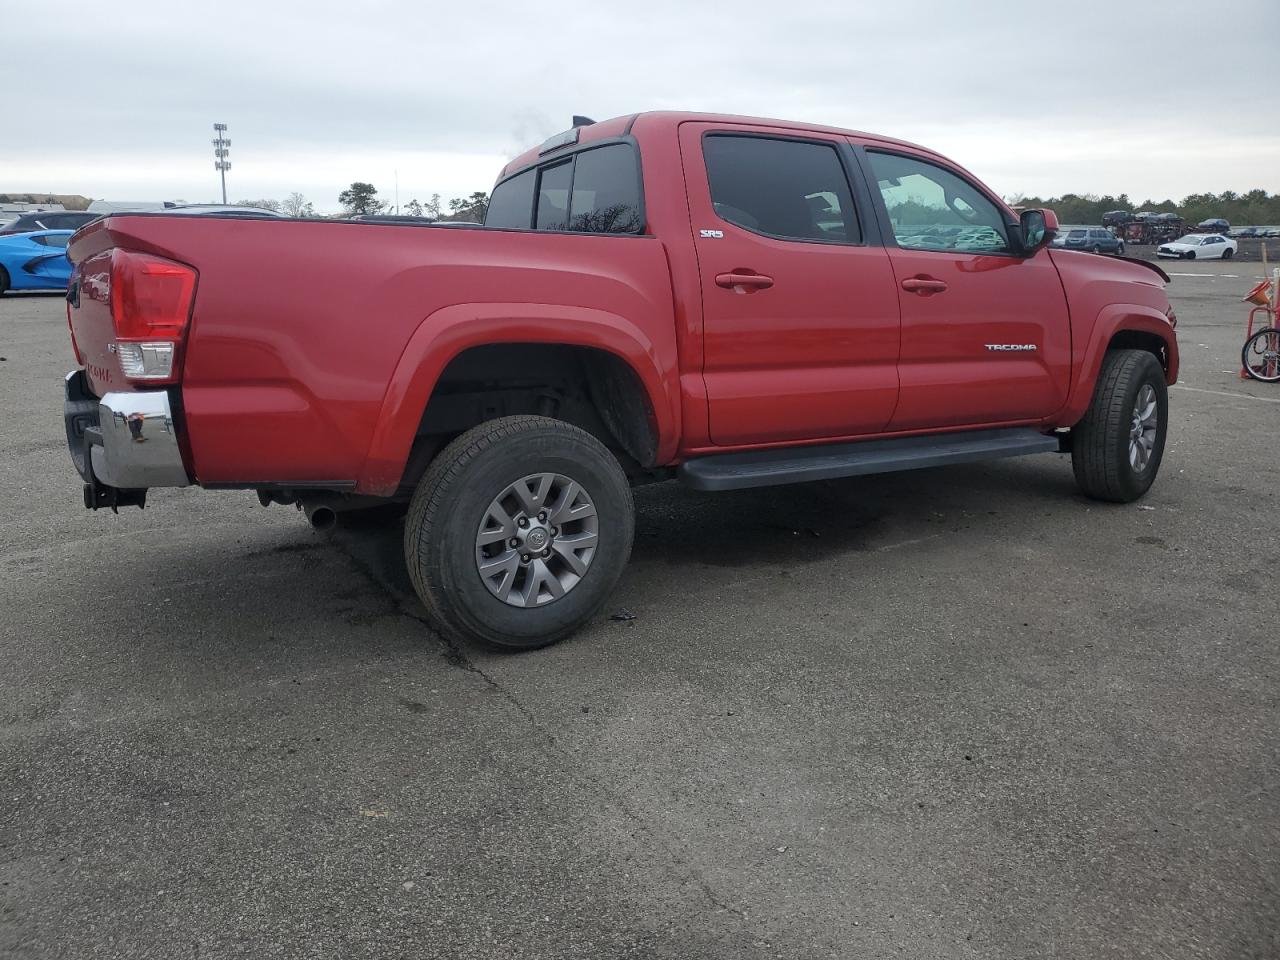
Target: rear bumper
121	441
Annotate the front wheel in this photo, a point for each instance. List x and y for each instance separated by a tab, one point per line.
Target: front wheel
4	281
1117	448
1261	355
1191	254
518	532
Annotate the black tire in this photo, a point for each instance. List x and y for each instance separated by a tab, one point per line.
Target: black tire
1190	254
1257	356
1096	248
4	281
1100	442
451	503
1226	254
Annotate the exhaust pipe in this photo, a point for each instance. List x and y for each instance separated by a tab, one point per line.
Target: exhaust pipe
321	515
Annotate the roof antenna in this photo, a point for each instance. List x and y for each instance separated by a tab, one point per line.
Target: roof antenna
582	121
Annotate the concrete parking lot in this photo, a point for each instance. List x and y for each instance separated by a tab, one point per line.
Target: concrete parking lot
953	713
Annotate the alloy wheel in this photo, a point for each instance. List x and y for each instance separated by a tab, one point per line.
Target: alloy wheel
1142	428
537	539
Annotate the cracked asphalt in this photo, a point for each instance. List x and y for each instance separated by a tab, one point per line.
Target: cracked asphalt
953	713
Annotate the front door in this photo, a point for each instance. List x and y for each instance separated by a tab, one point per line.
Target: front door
985	332
800	315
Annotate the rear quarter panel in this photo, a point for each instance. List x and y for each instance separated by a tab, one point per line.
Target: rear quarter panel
294	362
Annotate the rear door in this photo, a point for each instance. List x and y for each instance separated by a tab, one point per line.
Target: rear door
800	314
985	332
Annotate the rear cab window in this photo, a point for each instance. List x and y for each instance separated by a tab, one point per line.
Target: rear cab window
596	189
511	204
606	191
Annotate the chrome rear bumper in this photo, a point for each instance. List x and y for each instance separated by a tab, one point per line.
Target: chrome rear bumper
121	442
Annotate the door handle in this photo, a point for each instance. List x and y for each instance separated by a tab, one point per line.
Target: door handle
924	285
731	280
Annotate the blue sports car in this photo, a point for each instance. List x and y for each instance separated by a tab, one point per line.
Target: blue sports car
35	261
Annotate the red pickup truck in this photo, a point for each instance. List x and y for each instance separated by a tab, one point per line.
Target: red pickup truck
728	301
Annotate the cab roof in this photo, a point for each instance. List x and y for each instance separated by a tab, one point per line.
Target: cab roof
620	126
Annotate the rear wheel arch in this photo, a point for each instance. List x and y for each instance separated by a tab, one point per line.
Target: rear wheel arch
588	387
395	450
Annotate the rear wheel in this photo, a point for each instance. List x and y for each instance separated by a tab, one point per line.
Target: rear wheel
1097	248
1117	447
1261	355
4	280
1226	254
518	532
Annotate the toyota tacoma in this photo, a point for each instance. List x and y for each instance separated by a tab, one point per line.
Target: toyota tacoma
725	301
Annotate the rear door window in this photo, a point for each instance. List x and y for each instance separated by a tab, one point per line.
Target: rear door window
789	189
553	196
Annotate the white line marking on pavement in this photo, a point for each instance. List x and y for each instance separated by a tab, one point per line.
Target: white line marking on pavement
1224	393
907	543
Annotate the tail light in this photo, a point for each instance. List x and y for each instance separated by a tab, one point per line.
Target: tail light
150	308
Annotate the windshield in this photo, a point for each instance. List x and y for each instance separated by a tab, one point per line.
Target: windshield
1190	239
1077	234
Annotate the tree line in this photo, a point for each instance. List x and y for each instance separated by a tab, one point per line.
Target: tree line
361	199
1255	208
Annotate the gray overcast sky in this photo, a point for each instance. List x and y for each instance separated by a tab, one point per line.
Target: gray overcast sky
115	100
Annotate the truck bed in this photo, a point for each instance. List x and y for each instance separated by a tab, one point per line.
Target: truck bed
298	326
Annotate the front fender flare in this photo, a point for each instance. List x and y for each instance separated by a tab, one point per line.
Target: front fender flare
449	331
1113	319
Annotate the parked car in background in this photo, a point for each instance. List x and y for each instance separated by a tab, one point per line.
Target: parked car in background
221	210
1271	232
1244	232
35	261
1198	246
49	220
390	218
1214	225
1092	239
130	206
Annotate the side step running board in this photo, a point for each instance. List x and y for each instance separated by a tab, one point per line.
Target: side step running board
763	468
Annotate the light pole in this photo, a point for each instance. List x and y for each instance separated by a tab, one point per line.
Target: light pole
221	150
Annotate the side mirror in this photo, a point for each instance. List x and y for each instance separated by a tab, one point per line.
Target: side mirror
1037	228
